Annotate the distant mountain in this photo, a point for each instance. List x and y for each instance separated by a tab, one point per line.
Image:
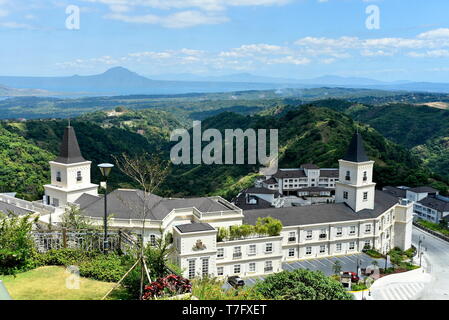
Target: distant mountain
121	81
13	92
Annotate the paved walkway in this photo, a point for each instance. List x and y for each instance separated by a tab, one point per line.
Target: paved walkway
402	286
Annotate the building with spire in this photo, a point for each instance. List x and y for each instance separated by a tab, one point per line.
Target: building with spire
361	217
70	174
355	186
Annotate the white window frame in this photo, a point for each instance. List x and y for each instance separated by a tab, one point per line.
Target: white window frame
338	247
269	245
252	267
309	235
192	272
239	266
291	252
323	248
220	253
220	271
252	252
308	251
352	230
339	232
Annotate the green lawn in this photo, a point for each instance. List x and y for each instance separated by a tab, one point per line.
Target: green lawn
49	283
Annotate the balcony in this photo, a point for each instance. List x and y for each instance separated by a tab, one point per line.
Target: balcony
237	255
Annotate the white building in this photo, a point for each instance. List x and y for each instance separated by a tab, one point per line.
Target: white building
70	174
428	204
361	216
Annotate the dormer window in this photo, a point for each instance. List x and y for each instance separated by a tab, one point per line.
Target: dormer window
348	176
79	177
58	176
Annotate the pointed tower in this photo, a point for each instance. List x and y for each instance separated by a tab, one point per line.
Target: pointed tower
70	173
355	186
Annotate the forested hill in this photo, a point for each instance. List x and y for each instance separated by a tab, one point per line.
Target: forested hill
23	166
422	129
306	134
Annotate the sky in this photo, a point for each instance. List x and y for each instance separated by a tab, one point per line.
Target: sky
387	40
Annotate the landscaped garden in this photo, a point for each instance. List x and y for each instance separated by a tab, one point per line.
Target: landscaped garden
437	227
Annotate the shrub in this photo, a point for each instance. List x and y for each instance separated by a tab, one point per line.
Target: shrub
169	286
269	226
210	288
110	268
301	284
16	244
64	257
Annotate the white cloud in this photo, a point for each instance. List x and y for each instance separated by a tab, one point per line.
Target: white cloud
181	19
435	34
187	13
442	53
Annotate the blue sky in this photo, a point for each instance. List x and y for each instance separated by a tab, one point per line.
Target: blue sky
281	38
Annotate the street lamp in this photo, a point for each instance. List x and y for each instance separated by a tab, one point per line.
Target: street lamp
105	169
421	238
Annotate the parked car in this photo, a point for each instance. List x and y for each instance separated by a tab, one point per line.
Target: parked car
236	281
354	277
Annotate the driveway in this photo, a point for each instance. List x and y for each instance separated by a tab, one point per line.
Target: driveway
436	255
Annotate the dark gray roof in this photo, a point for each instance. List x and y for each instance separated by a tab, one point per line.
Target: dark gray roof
69	151
424	189
300	173
86	199
270	181
261	190
240	201
356	151
128	204
194	227
397	192
7	208
329	173
324	213
294	173
434	203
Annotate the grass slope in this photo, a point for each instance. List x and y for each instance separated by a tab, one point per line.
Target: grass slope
49	283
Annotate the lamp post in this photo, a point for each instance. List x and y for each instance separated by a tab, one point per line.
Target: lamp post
105	169
421	238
